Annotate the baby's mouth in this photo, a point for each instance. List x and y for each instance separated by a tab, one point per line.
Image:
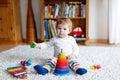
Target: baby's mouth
61	33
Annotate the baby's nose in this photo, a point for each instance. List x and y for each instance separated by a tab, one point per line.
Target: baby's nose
61	30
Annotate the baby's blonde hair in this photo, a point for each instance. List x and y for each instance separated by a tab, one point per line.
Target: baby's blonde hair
64	21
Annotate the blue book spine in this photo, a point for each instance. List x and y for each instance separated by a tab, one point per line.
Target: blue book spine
45	30
48	29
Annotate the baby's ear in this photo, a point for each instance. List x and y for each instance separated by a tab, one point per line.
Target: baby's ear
70	29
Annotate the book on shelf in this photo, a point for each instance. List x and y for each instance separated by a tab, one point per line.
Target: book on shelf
83	6
45	29
79	10
53	11
49	28
57	7
54	27
49	10
65	10
47	32
45	11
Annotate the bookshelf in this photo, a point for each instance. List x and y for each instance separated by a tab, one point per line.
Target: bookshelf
76	10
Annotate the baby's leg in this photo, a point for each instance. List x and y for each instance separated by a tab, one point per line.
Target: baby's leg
75	66
50	64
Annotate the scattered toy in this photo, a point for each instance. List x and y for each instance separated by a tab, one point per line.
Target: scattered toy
94	67
26	62
18	71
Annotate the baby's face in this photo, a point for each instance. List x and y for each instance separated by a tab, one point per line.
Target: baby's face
63	31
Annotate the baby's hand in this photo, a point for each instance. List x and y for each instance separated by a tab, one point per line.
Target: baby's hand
71	56
33	44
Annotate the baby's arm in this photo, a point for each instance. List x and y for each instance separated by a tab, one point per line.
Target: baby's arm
42	45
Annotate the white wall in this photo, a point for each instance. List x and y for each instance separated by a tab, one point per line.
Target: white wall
98	15
98	28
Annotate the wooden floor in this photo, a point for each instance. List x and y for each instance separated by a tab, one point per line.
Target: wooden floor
6	47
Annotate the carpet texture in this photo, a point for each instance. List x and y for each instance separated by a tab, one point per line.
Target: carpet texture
107	57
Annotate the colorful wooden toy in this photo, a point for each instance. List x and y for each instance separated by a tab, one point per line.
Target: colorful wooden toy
62	67
78	32
18	71
33	45
94	67
26	62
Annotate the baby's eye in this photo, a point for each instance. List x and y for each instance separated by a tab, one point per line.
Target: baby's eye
59	28
65	29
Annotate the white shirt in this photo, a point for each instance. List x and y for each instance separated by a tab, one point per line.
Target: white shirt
68	45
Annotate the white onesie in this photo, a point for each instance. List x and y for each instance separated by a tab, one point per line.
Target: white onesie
68	45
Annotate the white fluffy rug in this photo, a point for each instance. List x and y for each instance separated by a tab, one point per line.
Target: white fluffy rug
107	57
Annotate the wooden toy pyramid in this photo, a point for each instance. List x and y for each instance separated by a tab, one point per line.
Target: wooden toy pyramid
62	67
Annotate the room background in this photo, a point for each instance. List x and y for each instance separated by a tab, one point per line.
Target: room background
98	18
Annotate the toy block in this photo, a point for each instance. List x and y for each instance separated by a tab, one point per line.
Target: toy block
33	45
